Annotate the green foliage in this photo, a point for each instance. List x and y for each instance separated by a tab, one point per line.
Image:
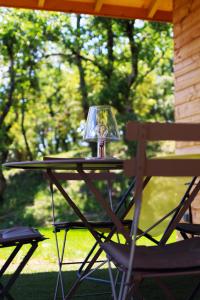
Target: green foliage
54	66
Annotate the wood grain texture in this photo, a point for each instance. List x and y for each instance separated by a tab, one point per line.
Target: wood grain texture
182	9
187	35
187	67
187	50
187	80
133	9
188	22
188	109
187	94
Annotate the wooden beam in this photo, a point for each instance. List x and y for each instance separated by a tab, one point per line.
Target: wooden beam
98	5
87	7
153	8
41	3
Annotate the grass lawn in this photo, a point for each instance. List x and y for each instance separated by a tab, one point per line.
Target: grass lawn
39	276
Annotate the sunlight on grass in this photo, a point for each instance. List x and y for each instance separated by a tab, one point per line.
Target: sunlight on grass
79	242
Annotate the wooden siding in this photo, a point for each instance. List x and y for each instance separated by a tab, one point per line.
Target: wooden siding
187	67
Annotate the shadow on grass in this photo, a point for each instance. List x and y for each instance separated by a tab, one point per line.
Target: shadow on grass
40	286
20	193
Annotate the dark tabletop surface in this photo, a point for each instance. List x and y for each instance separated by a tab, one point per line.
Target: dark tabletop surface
68	164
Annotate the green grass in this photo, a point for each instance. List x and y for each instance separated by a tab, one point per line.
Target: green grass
45	257
39	277
40	286
27	202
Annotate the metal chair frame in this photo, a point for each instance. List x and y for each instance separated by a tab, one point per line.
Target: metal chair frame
16	242
83	274
140	167
97	227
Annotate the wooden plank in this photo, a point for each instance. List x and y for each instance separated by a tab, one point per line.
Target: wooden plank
187	80
164	167
187	64
189	75
153	8
162	131
88	8
187	109
187	51
41	3
128	3
98	5
187	23
163	5
188	94
187	69
187	35
184	10
190	119
180	3
181	13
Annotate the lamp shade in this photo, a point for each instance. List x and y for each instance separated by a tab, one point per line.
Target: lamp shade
101	124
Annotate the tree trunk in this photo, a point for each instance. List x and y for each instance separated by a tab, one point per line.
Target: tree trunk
3	157
2	186
23	129
131	78
83	85
110	44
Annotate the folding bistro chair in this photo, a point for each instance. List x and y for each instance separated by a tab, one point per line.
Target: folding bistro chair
16	237
123	210
179	258
102	228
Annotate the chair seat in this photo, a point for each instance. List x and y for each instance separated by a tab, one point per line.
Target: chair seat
103	225
189	228
18	234
172	257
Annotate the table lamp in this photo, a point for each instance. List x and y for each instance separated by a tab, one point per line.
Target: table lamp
101	126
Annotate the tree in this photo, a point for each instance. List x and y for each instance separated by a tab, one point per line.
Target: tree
54	66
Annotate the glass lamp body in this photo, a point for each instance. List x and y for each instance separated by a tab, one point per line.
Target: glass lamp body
101	127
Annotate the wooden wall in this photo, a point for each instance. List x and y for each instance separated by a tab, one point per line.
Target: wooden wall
186	19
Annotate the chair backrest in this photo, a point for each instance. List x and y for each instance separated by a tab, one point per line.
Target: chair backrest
161	196
141	166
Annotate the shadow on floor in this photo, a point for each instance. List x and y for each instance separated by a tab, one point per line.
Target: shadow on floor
40	286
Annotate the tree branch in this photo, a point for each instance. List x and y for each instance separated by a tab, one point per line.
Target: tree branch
11	71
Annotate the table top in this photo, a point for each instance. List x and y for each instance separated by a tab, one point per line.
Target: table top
69	164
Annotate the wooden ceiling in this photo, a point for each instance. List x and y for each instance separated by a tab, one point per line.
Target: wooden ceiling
157	10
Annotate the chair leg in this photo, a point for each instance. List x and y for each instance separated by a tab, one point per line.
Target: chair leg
112	281
166	290
122	285
184	235
10	259
4	291
7	295
60	263
83	275
194	292
4	268
134	291
81	269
